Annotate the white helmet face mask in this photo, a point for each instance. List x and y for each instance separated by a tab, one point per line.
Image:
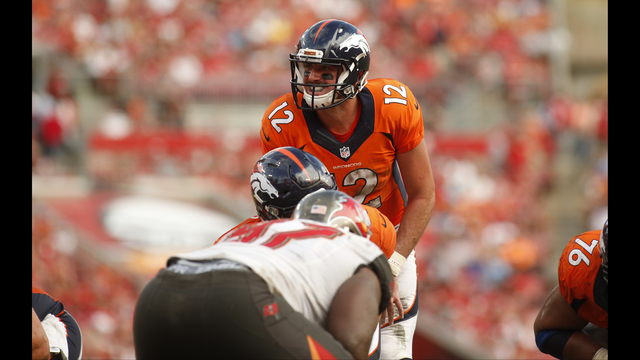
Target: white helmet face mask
330	98
330	43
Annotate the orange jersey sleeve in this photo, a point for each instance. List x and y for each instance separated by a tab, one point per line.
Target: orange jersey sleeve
383	233
581	281
364	166
252	220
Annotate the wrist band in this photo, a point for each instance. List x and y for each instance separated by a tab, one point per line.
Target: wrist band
601	354
395	262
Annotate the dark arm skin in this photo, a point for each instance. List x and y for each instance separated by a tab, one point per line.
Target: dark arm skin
353	315
39	340
557	314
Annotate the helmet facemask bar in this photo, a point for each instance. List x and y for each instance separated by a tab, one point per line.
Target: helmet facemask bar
275	212
342	91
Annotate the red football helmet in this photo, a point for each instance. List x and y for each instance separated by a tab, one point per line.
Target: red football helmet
335	208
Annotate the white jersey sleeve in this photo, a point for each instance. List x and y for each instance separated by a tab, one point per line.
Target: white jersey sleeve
303	261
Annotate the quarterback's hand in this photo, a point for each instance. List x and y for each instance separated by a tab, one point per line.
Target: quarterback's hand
395	300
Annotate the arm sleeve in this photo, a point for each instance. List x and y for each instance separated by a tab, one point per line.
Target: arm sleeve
383	233
268	136
552	342
410	126
45	305
381	267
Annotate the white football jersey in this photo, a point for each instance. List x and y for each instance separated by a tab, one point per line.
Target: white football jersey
303	261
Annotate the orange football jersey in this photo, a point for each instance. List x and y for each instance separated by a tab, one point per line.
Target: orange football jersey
581	280
364	166
383	233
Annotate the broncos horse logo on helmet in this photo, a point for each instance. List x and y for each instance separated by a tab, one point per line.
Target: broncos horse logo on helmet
282	177
259	182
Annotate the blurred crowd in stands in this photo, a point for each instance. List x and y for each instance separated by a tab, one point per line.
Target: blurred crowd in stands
481	258
166	46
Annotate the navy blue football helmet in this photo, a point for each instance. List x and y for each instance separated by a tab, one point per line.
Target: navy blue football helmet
282	177
333	43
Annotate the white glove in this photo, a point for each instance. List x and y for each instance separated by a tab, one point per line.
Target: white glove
57	333
602	354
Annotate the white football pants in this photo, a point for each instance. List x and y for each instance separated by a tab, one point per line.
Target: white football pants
396	341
